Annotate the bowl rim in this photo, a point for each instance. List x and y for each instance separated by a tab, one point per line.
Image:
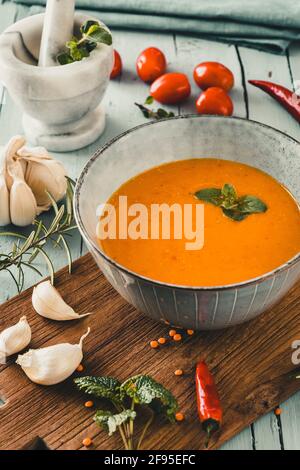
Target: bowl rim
90	243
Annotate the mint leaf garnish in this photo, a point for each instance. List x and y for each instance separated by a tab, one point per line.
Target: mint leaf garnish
234	207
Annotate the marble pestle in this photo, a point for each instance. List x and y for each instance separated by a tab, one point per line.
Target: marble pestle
57	30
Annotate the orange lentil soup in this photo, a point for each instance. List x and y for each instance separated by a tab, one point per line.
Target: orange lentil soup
233	251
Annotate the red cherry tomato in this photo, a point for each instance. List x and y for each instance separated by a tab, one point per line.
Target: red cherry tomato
170	88
151	64
213	74
117	68
214	101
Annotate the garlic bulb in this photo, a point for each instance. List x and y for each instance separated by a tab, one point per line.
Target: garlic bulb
48	303
44	174
53	364
15	338
25	176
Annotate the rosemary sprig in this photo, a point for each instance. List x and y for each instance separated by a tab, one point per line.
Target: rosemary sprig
25	250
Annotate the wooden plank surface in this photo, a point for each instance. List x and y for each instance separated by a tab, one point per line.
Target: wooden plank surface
183	53
252	365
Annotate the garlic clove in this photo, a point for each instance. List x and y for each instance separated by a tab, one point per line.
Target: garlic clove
15	338
46	175
4	201
48	303
53	364
43	173
22	203
9	156
23	207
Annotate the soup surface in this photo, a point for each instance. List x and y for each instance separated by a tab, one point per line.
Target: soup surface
233	251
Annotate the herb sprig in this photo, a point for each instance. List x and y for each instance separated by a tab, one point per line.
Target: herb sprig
160	113
25	250
234	207
128	399
92	33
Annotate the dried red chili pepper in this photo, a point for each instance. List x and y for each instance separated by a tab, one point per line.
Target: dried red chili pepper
208	402
287	98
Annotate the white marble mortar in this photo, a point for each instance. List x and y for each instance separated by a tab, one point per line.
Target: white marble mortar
61	104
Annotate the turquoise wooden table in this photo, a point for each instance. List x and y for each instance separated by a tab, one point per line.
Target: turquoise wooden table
183	53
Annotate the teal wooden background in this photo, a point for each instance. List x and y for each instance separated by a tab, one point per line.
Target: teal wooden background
183	53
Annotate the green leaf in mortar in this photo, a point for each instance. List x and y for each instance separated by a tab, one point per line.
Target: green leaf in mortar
87	25
98	34
64	58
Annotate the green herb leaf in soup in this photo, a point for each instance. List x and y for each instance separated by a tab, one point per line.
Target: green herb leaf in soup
234	207
234	214
212	195
251	205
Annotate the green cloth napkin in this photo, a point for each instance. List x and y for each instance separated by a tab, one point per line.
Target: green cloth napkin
269	25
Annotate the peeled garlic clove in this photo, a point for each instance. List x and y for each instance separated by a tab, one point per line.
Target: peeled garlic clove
53	364
23	207
4	201
15	338
48	303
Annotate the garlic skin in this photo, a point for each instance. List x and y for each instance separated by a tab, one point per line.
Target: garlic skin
15	338
48	303
53	364
43	173
4	201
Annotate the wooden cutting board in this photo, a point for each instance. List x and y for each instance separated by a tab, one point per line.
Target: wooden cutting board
252	366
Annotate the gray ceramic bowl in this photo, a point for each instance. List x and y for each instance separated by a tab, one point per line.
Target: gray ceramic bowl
179	138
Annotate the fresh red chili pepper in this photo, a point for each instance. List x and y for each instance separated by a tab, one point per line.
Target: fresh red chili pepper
208	402
287	98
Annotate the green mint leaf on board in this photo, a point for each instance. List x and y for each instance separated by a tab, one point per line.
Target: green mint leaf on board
212	195
251	205
100	387
146	391
110	422
149	100
98	34
234	207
